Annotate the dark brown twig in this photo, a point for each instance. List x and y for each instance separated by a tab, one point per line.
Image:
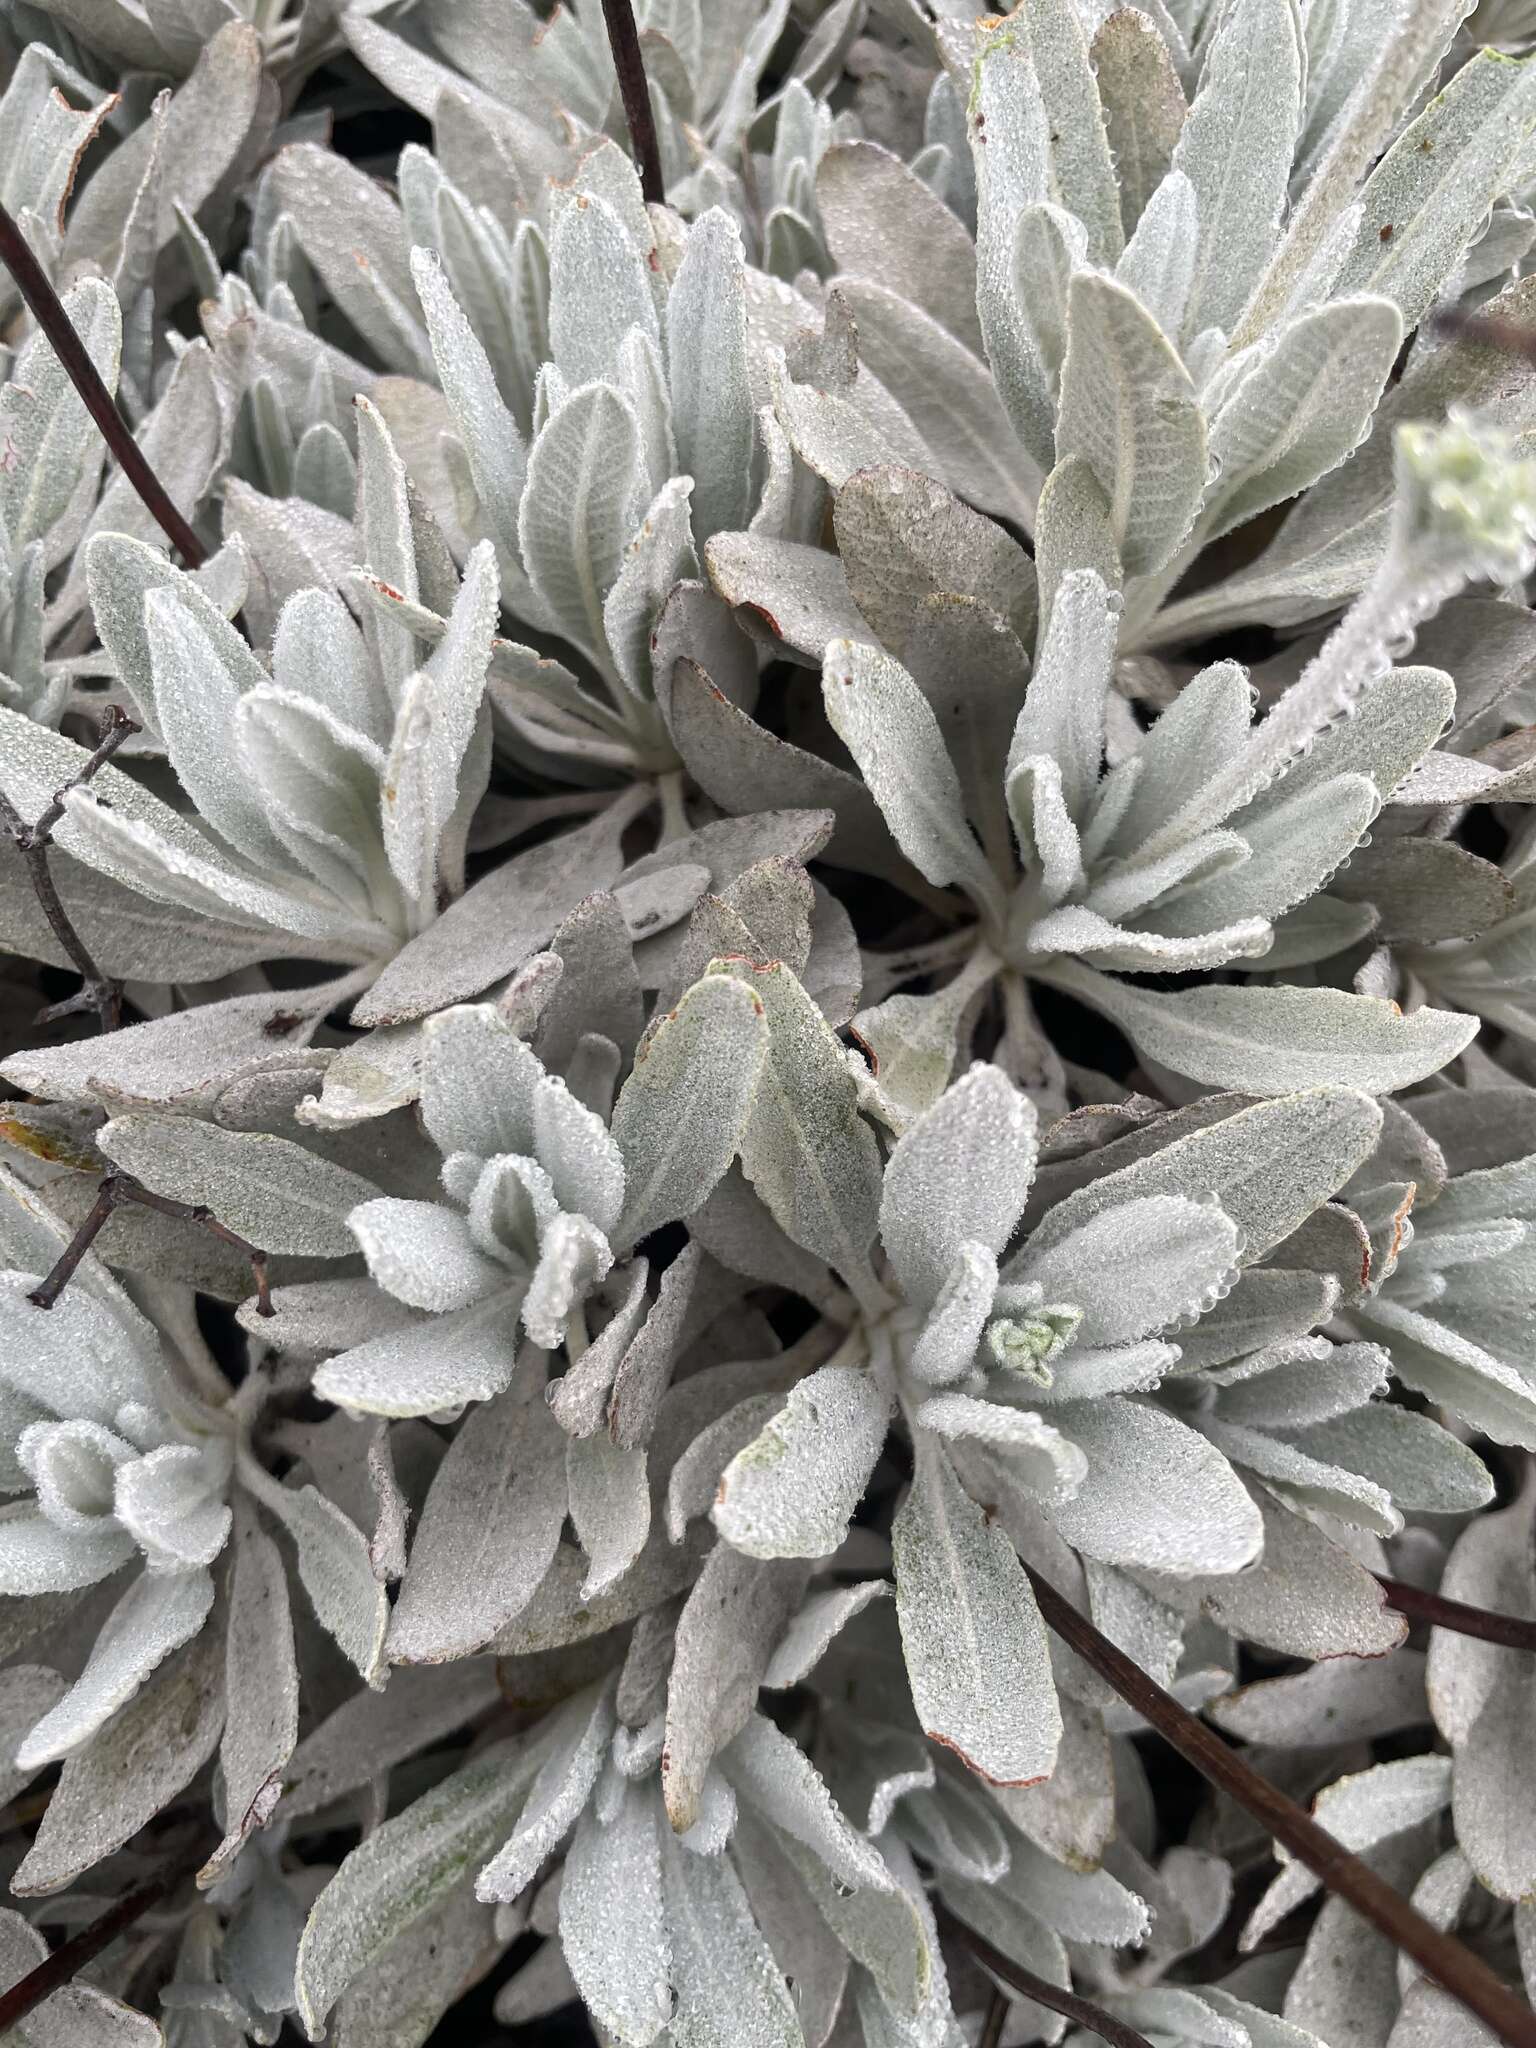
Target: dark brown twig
122	1187
47	310
628	62
1053	1996
997	2018
98	991
1508	1630
66	1962
1440	1956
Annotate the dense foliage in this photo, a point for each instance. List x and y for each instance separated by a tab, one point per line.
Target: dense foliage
821	900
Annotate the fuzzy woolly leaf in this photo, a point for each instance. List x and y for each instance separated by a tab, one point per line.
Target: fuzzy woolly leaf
1129	409
681	1114
805	1149
261	1685
404	1868
712	411
793	1490
1268	1041
975	1644
1155	1493
888	726
613	1925
498	1500
959	1174
272	1191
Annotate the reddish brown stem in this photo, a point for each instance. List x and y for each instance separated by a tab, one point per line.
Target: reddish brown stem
47	310
62	1967
629	63
118	1188
1506	1629
1055	1997
1440	1956
992	2026
97	991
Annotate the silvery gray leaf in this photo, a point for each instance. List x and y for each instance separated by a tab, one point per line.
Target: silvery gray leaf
499	1494
574	1746
148	1752
722	1971
974	1642
729	1627
404	1869
153	1618
804	1147
613	1925
262	1692
334	1567
792	1491
960	1174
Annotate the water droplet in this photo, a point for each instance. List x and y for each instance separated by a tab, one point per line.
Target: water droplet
843	1891
552	1389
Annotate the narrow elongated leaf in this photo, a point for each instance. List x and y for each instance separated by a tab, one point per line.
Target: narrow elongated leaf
805	1148
610	1504
1267	1041
712	411
1082	173
728	1629
405	1868
578	509
202	668
974	1641
1235	148
1143	103
1303	409
1129	409
1422	204
147	1752
773	1773
723	1972
888	726
261	1683
576	1742
487	1535
959	1174
153	1618
498	461
1063	714
598	290
1159	260
613	1926
334	1567
683	1111
876	213
279	1195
